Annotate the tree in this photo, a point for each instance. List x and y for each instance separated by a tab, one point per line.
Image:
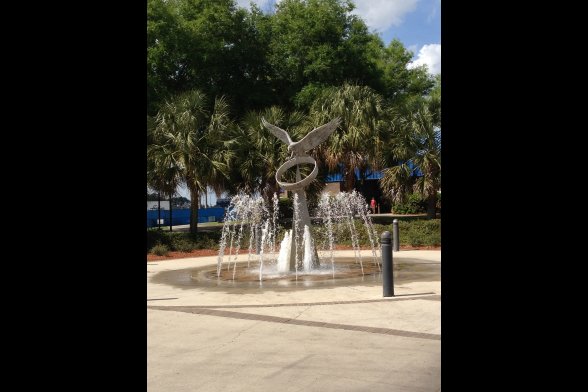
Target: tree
166	45
318	42
416	147
434	101
164	172
257	60
400	83
357	143
192	138
210	45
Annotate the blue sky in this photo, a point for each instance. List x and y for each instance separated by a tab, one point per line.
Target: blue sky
416	23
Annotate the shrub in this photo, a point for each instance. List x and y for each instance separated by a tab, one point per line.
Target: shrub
155	237
413	205
420	232
206	243
181	241
342	235
183	244
160	250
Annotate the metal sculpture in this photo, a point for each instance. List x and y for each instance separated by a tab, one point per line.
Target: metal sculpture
299	156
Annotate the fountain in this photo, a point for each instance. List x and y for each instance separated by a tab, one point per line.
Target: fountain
298	255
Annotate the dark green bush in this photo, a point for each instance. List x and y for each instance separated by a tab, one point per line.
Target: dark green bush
160	250
206	243
420	232
413	205
183	244
180	241
413	232
342	234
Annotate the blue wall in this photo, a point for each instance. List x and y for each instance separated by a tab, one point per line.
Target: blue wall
182	216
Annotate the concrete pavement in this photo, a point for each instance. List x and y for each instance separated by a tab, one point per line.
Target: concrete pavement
344	338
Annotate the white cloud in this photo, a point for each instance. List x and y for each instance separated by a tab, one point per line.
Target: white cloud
380	15
430	55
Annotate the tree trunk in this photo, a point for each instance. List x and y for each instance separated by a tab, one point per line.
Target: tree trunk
194	205
270	188
432	206
349	183
170	212
159	210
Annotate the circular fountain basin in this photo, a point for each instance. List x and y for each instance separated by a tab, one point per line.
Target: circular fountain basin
347	271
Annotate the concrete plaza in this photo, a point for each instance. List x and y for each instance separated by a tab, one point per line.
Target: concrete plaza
343	338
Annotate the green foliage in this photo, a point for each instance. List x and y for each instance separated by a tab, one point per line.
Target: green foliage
412	232
318	41
308	94
434	101
357	141
342	234
206	44
189	146
258	153
160	250
420	232
183	242
400	82
214	69
413	157
413	205
207	242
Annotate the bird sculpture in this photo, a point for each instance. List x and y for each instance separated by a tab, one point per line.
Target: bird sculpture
308	142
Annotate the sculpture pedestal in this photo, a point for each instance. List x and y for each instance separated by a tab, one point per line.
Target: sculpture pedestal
307	241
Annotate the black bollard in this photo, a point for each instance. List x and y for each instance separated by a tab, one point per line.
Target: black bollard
387	265
395	236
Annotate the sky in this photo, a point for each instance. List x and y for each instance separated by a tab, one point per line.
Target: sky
415	23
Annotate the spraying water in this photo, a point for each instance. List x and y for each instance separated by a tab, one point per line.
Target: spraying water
249	216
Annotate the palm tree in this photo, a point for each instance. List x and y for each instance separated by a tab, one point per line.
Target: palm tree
416	147
357	143
192	140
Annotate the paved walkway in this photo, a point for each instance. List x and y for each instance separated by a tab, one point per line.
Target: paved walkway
345	338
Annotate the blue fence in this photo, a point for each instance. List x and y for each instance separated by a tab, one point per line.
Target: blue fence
182	216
